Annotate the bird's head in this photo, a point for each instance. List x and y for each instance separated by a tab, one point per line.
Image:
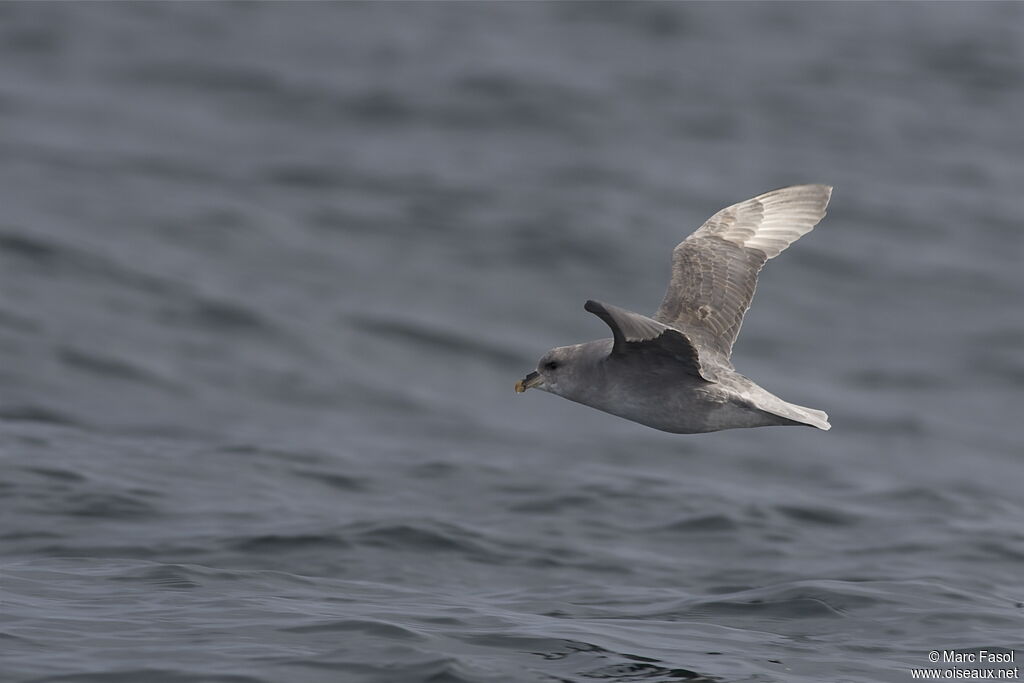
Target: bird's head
559	371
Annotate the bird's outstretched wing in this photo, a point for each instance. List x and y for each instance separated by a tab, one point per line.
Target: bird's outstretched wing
637	334
714	270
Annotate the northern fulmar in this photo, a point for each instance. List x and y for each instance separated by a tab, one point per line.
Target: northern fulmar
672	371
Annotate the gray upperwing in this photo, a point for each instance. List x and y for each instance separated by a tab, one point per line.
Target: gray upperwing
636	333
714	270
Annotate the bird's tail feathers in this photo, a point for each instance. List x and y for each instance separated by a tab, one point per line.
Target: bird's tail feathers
802	415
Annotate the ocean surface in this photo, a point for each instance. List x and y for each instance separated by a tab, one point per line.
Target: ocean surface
268	273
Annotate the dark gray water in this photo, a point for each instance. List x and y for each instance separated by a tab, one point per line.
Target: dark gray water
269	271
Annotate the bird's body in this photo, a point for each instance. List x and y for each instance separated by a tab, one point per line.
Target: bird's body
673	371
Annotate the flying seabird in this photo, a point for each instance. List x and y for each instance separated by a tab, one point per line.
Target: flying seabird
673	371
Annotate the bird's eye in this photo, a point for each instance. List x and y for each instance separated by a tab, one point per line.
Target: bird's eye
550	365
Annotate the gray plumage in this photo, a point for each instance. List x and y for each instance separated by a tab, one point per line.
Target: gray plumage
673	371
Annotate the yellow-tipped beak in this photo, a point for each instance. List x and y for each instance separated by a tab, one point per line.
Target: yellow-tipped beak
528	382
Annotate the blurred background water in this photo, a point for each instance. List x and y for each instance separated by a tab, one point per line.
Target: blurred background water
269	271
